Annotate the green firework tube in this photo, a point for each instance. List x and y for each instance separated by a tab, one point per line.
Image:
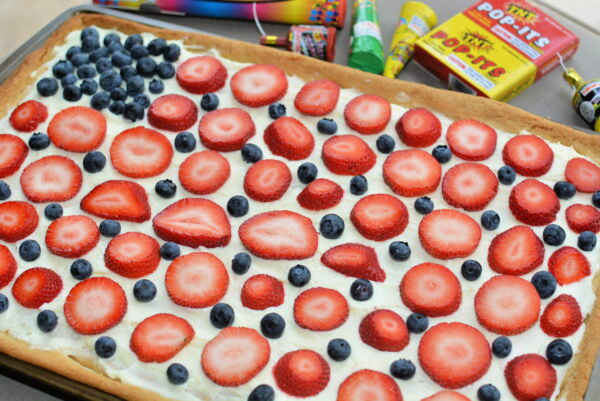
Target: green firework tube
366	49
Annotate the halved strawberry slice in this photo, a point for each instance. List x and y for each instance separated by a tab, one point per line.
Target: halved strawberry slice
140	152
412	172
204	172
533	202
529	155
354	260
117	200
470	186
368	114
431	289
384	330
317	98
279	235
301	373
193	222
267	180
530	377
72	236
320	309
418	128
36	286
365	383
568	265
471	139
347	155
259	85
583	218
447	395
28	115
235	356
160	337
8	266
562	317
288	137
226	130
379	217
95	305
584	174
13	152
507	305
17	220
516	251
172	113
51	179
320	194
449	234
202	74
261	292
77	129
132	255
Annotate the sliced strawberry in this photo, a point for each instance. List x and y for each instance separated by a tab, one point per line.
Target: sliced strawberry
379	217
279	235
449	234
267	180
72	236
36	286
8	266
117	200
418	128
412	172
562	317
77	129
317	98
261	292
132	255
366	384
368	114
583	218
259	85
172	113
288	137
320	309
140	152
347	155
226	130
516	251
51	179
584	174
17	220
301	373
202	74
507	305
160	337
235	356
454	354
320	194
471	139
568	265
529	155
204	172
447	395
533	202
354	260
431	289
193	222
470	186
13	152
28	115
530	377
384	330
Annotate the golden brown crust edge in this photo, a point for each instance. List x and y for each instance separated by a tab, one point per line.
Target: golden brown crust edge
452	104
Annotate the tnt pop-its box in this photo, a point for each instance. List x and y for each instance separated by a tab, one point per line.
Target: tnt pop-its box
496	48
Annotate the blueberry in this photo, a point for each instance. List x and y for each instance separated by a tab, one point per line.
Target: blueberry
417	323
88	86
470	269
143	99
81	269
94	161
488	392
72	93
385	144
4	191
144	290
47	320
299	276
169	250
39	141
177	373
100	100
222	315
105	347
185	142
133	111
262	392
501	347
138	51
157	46
146	67
564	189
115	47
359	185
307	172
596	199
272	325
490	220
110	228
110	38
128	72
339	349
327	126
135	85
118	94
90	44
89	32
442	153
133	40
70	79
424	205
171	52
237	206
399	251
586	241
545	283
156	86
3	303
101	52
402	369
80	59
165	70
331	226
277	110
120	59
73	50
559	352
47	86
53	211
209	102
165	188
62	68
251	153
506	175
361	290
29	250
241	263
103	64
554	235
109	80
117	107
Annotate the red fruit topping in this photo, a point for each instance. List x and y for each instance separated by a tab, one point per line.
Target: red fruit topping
301	373
202	74
431	289
384	330
72	236
259	85
584	174
530	377
471	139
418	128
261	292
347	155
533	202
568	265
320	194
204	172
8	266
354	260
317	98
446	395
267	180
118	200
160	337
562	317
288	137
17	220
583	218
449	234
172	113
140	153
412	172
320	309
36	286
367	384
226	130
28	115
516	251
379	217
51	179
470	186
529	155
368	114
77	129
13	152
132	255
